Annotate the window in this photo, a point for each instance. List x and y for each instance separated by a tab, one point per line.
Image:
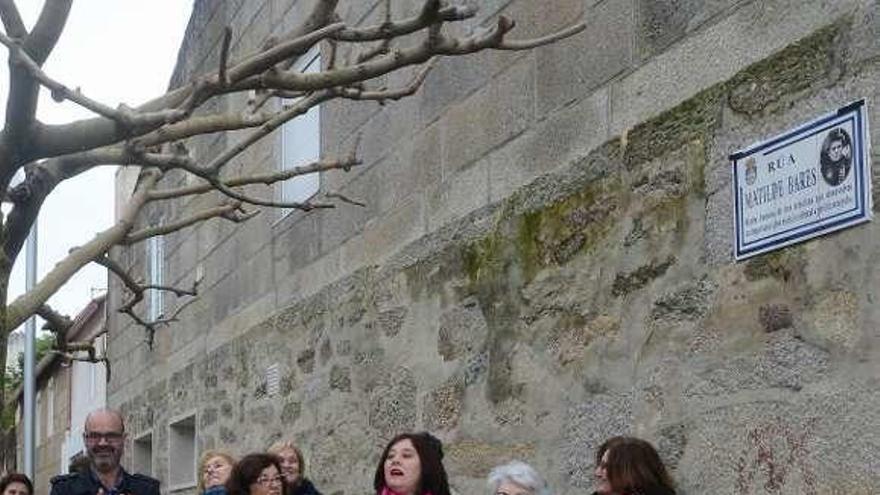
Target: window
142	454
182	453
155	276
50	408
301	141
38	407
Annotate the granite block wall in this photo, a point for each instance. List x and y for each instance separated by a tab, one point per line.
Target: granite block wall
546	261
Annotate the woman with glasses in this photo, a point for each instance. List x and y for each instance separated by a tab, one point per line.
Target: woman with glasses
215	466
630	466
412	464
293	469
256	474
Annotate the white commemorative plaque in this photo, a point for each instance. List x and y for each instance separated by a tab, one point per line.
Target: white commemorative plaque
803	183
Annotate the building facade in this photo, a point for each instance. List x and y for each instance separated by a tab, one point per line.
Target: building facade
67	390
545	260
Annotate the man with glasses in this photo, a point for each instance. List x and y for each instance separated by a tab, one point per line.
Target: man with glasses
104	438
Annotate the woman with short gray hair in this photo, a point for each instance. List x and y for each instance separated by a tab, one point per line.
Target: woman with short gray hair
516	478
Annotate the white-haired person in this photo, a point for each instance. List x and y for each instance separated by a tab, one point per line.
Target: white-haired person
516	478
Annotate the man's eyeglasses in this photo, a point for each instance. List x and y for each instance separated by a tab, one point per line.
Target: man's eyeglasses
266	480
109	437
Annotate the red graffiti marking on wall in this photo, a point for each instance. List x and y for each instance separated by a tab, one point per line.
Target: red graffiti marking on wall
773	451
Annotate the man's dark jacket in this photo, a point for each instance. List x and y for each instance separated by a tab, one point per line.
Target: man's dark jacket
87	484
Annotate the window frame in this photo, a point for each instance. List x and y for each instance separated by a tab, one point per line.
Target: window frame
155	268
177	466
309	63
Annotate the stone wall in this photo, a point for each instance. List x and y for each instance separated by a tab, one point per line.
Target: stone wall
545	262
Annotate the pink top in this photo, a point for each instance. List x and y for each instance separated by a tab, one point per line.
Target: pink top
389	491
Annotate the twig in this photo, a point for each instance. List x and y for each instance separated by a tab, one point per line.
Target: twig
268	179
545	40
345	199
382	95
123	115
232	212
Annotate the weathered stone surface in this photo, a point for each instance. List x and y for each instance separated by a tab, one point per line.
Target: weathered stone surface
588	424
393	405
625	283
340	378
475	458
306	360
290	413
574	68
443	406
390	321
661	23
775	317
462	330
545	262
687	303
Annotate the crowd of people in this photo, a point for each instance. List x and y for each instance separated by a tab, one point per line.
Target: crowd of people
411	464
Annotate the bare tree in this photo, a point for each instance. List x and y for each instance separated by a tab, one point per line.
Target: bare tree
150	136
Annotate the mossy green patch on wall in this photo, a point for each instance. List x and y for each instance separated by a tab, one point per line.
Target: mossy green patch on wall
797	67
640	277
672	130
783	265
577	223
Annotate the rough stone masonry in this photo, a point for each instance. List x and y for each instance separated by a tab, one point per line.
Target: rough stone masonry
597	297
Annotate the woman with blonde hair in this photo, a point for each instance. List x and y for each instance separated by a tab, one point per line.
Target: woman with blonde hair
214	469
293	468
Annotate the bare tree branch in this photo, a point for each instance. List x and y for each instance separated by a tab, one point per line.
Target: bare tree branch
268	179
195	126
21	105
152	136
232	212
12	19
431	13
58	323
297	109
224	56
382	95
394	60
70	348
345	199
137	294
516	45
123	115
28	303
308	206
281	52
43	37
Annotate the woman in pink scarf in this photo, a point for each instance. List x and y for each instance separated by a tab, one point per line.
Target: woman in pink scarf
412	464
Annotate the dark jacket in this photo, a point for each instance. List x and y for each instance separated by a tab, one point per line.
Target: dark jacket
304	487
87	484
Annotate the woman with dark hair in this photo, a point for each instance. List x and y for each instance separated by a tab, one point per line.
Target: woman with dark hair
256	474
16	484
412	464
293	468
835	157
630	466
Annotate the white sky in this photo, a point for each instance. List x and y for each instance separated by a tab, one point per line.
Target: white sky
115	51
